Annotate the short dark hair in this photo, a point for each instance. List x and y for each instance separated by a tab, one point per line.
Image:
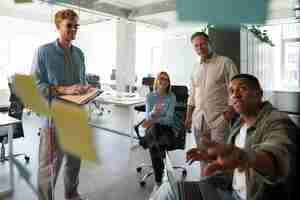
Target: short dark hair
250	80
200	34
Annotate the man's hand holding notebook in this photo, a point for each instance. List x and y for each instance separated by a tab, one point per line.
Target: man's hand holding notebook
78	94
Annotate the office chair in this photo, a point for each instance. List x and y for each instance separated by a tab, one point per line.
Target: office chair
15	110
148	82
181	93
94	80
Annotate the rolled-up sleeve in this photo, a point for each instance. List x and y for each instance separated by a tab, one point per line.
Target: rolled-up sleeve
38	69
83	77
191	99
230	70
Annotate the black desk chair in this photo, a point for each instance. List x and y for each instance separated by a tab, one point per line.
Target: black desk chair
14	110
148	82
181	93
94	80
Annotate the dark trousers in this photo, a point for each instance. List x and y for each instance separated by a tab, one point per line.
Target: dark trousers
162	137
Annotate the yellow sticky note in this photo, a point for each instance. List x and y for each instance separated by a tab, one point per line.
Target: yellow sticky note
26	89
74	133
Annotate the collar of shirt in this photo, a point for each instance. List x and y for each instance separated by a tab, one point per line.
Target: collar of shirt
208	59
59	49
267	107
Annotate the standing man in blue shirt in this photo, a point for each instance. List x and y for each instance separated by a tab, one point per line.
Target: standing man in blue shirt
59	69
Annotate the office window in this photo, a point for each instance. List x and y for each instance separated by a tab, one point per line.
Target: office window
286	52
98	42
291	66
290	56
148	51
19	39
291	30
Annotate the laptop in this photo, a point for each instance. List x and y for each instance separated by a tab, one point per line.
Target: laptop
184	190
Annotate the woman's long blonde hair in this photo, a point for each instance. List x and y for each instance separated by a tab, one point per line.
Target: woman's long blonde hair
156	81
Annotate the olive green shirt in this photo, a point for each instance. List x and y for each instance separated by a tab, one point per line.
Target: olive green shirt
270	133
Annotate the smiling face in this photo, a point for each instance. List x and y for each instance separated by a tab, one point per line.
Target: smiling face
162	82
67	29
246	99
200	44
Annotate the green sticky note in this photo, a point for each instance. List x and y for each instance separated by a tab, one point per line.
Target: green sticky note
23	1
222	12
26	89
74	133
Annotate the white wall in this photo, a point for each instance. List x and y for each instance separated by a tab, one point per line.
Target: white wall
178	56
98	42
125	54
19	38
148	51
178	59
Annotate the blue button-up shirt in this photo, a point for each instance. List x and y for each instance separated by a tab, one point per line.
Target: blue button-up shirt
53	66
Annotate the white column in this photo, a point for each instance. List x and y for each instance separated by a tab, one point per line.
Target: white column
125	54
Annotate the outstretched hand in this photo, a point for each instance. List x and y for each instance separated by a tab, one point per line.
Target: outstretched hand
199	154
219	156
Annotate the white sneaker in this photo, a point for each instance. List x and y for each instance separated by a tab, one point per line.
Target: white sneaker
155	188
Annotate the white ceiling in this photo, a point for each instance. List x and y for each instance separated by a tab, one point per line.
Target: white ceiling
130	4
44	12
157	12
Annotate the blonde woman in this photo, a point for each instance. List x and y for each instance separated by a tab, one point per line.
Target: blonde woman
160	123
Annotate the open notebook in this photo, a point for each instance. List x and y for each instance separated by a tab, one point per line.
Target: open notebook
81	99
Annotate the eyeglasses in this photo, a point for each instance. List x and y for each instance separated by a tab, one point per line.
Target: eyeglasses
74	26
163	78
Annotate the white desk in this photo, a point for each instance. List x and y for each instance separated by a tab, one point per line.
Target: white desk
126	100
6	120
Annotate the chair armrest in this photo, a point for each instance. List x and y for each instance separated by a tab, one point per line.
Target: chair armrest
136	128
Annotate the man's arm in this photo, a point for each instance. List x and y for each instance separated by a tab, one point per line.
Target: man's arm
270	157
40	72
190	105
83	76
189	114
230	157
230	70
